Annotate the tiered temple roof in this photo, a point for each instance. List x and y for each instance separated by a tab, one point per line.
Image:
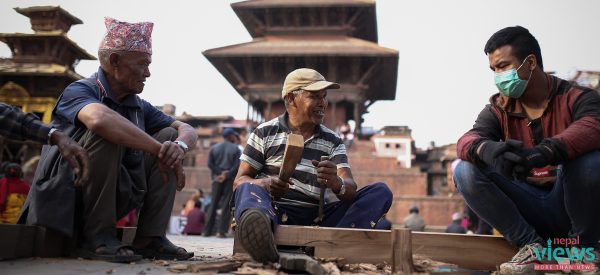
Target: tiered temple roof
335	37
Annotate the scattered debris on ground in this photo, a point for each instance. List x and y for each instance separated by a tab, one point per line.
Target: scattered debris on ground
253	268
221	266
425	264
242	264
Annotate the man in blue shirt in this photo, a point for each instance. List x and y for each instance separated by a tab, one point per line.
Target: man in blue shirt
135	156
223	161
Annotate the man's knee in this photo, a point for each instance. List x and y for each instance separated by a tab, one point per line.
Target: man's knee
247	187
99	148
167	133
464	177
383	192
583	171
250	194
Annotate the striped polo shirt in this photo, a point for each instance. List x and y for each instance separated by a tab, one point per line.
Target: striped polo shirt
264	152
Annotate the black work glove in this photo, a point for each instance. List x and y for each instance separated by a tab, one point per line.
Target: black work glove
536	157
501	156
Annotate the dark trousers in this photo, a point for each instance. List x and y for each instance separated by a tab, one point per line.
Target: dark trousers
114	190
366	211
523	213
221	197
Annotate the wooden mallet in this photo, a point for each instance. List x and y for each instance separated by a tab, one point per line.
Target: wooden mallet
292	156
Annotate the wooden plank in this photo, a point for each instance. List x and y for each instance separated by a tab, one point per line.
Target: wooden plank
480	252
16	241
402	257
48	243
292	155
374	246
354	245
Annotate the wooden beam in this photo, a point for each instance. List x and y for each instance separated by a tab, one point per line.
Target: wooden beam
248	69
355	68
468	251
333	122
478	252
290	64
285	18
49	243
355	16
257	22
332	68
238	77
363	79
402	257
268	18
16	241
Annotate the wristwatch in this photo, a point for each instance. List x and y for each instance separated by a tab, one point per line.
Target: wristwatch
342	189
182	145
50	135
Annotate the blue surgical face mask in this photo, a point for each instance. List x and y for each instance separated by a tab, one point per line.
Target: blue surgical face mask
509	83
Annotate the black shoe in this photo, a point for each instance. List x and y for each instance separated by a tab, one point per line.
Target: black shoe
254	233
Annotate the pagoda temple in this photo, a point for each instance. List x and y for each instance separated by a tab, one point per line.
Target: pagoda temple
42	65
338	38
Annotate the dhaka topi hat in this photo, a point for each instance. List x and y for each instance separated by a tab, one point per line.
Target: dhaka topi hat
124	36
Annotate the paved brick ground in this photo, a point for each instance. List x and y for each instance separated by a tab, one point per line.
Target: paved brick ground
205	249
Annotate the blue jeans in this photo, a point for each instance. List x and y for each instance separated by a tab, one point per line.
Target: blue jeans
524	213
366	211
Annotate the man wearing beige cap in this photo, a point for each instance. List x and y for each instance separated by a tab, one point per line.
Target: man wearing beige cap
262	200
135	156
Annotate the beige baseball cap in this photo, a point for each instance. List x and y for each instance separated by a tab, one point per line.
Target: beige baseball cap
306	79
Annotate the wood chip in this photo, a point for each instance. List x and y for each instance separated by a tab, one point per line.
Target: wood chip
331	268
178	268
255	271
161	263
424	264
367	267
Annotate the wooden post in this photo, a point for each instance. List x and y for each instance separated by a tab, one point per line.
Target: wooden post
333	118
268	110
357	120
248	111
402	262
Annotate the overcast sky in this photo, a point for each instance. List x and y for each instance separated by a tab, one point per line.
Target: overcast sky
443	77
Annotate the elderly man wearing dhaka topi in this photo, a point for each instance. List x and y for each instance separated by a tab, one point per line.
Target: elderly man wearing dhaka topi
135	157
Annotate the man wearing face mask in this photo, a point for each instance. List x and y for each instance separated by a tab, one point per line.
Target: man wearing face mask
532	159
262	200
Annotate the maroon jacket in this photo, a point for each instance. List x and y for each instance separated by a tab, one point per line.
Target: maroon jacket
570	125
